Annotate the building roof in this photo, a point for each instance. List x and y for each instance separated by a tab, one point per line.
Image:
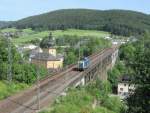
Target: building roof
35	51
46	57
60	56
125	78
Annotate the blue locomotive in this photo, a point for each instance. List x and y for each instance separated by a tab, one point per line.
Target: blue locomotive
83	64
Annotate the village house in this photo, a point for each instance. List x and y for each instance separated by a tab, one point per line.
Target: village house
125	88
48	58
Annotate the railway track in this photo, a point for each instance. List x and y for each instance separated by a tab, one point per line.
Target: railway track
50	88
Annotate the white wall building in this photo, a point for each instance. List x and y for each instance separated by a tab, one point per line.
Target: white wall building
125	88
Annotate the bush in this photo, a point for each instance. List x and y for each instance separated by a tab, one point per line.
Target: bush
113	104
81	100
7	89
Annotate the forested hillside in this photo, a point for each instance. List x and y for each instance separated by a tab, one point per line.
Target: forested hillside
121	22
4	24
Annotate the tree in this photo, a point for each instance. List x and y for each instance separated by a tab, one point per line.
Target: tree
114	21
71	58
47	42
127	51
21	71
139	101
115	74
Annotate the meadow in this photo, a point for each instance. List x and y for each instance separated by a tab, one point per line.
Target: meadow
28	35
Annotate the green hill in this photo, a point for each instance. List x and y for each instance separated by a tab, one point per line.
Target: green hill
4	24
121	22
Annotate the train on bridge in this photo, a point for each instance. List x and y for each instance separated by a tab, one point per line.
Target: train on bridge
83	64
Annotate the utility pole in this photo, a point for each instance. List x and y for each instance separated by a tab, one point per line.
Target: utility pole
38	82
101	66
38	93
79	55
9	70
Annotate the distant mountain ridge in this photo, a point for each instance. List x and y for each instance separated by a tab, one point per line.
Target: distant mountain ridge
122	22
4	24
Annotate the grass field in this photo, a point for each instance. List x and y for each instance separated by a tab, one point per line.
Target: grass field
29	34
9	30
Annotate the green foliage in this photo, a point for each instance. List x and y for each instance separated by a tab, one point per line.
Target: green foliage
73	102
70	40
113	104
127	51
47	42
114	21
139	101
95	44
34	41
71	58
81	100
31	36
3	24
99	89
116	73
102	110
21	71
85	45
7	89
136	57
23	74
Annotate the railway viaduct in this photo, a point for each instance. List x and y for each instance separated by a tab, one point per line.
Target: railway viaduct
99	70
39	96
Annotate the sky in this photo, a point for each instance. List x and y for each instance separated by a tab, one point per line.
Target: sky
11	10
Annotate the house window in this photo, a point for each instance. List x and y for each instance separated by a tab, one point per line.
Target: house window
130	90
121	89
124	84
125	94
